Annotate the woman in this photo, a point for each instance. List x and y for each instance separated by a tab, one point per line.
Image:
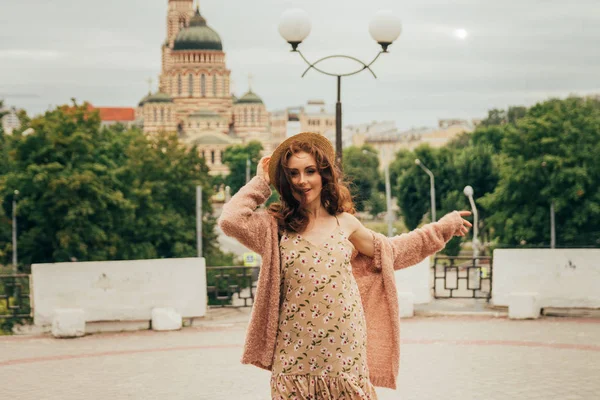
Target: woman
325	317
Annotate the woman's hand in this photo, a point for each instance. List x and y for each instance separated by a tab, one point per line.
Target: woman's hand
466	225
262	169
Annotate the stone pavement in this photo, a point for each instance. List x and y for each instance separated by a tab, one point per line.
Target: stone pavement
443	357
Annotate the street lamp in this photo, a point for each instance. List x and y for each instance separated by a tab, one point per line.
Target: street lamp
552	221
14	231
388	192
468	191
431	189
294	27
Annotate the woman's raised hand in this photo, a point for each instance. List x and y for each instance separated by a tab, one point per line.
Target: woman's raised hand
262	169
464	229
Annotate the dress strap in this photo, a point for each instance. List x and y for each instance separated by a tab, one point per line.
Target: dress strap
338	221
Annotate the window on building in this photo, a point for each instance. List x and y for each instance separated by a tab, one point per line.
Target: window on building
245	116
155	117
168	114
252	115
203	85
224	87
191	85
179	85
204	154
212	156
221	156
162	115
214	86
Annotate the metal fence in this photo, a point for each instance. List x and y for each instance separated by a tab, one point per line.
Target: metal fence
15	296
231	286
462	277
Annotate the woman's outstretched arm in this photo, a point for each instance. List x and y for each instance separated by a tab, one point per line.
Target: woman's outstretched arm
412	247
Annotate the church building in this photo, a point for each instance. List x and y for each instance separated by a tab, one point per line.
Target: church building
194	97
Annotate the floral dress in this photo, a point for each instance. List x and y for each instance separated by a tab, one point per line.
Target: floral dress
321	350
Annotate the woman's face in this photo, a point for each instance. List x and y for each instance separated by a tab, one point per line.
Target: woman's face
305	176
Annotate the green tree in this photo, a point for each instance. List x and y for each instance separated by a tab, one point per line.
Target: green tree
361	167
89	193
235	158
550	154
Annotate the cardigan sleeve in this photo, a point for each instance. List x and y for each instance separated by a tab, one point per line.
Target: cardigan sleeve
411	248
240	220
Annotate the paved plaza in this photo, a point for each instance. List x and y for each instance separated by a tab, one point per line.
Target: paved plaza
442	357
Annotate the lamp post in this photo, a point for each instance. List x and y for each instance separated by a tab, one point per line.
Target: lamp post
431	189
247	170
14	231
468	191
294	27
388	201
199	220
388	192
552	222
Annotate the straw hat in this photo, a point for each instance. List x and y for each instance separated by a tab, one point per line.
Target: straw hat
315	139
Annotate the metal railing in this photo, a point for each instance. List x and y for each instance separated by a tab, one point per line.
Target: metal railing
15	296
231	286
462	277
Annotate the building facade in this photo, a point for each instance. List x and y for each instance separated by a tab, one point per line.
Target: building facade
194	97
10	121
387	139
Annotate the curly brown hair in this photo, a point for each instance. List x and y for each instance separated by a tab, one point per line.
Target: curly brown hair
335	195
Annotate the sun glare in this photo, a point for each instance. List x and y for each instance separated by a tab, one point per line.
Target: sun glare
461	34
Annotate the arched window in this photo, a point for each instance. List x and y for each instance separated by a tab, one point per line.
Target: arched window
224	86
203	85
245	116
155	116
214	86
191	85
212	156
252	115
162	115
179	85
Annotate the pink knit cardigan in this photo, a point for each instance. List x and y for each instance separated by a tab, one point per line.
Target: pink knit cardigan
257	230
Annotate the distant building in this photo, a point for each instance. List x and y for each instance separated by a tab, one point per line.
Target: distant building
117	115
194	97
10	121
387	139
312	117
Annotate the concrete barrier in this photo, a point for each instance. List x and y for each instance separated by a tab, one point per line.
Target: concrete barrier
523	306
119	291
562	278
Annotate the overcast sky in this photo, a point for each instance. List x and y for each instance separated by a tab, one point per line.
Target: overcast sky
517	52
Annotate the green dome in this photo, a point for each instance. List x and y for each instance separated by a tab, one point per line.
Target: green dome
197	36
158	97
250	97
145	99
